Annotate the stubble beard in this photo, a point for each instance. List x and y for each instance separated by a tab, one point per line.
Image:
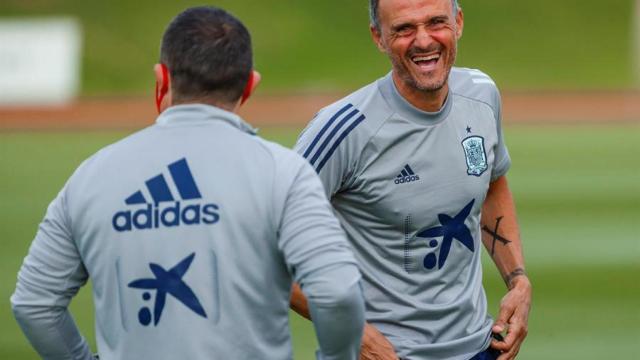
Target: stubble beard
431	86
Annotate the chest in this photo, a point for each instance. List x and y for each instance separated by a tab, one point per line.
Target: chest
419	172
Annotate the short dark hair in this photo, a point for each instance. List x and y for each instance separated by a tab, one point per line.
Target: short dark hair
208	53
374	15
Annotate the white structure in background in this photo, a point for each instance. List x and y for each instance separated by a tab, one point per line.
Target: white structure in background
39	61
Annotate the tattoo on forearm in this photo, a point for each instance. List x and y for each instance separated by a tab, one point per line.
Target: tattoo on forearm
496	236
512	275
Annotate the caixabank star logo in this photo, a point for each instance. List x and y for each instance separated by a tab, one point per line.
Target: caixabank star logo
165	210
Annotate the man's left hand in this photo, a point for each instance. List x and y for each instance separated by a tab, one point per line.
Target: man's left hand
514	318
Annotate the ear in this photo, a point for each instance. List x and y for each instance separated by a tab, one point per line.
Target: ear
459	23
252	84
377	38
163	87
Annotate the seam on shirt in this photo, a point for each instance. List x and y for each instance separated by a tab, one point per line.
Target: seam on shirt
71	275
493	110
382	124
61	336
275	225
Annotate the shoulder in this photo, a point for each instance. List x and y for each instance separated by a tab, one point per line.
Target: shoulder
110	155
353	119
280	155
475	85
367	103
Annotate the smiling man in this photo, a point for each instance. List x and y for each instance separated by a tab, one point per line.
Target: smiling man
415	166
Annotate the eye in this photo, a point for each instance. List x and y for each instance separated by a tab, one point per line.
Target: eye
438	23
405	30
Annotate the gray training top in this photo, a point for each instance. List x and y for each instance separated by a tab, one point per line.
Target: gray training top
191	231
408	187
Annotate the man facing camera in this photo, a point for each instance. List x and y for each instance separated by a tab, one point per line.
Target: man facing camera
415	167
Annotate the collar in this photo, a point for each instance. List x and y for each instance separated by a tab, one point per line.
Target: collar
200	114
401	106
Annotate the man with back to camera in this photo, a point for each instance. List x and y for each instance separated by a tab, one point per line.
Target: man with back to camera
192	229
415	166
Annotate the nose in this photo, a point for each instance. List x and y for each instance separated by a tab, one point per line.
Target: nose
423	38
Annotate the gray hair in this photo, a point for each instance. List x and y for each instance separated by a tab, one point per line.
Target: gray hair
375	19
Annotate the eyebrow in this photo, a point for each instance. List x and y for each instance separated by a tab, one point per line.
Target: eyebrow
438	18
403	25
429	21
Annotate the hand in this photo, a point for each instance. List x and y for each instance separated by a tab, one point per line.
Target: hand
376	346
514	318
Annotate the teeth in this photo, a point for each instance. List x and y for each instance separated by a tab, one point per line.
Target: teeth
426	58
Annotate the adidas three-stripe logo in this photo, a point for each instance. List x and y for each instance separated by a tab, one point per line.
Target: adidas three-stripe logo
338	127
156	215
406	176
159	189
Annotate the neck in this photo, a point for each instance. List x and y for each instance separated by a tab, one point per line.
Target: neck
429	101
233	107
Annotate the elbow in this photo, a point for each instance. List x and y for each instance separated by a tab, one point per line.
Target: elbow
334	287
24	314
349	296
345	299
31	315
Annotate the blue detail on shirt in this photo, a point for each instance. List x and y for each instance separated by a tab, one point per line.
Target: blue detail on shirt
451	228
168	282
136	198
409	170
159	189
160	214
324	129
337	143
184	181
313	159
333	133
406	176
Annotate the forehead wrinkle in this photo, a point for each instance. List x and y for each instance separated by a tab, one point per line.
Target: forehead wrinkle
413	15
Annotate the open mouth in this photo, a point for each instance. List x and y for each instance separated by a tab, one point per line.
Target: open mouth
426	62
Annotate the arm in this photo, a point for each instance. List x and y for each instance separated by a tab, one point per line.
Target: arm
501	237
50	276
320	260
375	346
334	175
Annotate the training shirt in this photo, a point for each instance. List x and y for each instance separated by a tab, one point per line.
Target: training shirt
191	231
408	187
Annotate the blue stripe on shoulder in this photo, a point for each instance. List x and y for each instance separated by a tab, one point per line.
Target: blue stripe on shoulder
338	141
333	133
324	129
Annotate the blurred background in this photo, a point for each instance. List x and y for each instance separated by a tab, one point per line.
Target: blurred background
77	75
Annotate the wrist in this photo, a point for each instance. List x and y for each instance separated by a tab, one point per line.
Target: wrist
517	278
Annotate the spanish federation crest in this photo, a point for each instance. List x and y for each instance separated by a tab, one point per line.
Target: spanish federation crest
475	155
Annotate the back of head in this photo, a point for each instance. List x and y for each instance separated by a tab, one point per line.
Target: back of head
208	54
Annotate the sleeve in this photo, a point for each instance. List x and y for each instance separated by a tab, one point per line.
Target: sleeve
502	161
322	145
320	260
51	274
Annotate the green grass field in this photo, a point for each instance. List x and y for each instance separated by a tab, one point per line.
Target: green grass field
578	195
325	45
